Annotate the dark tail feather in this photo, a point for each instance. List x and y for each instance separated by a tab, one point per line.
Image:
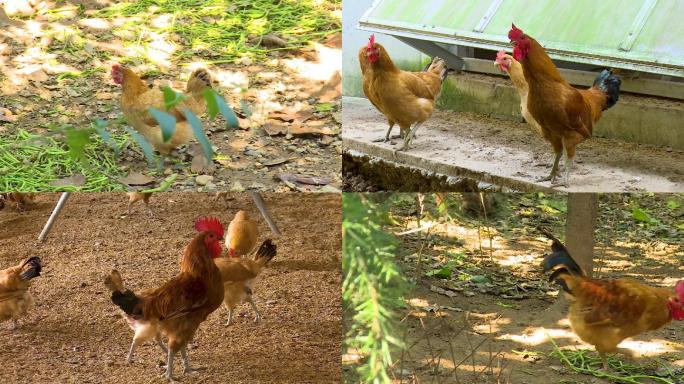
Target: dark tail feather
34	268
560	261
266	250
127	301
610	85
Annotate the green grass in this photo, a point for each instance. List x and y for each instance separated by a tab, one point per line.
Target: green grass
29	162
588	362
220	28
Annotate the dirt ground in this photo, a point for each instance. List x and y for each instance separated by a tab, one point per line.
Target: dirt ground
76	335
288	92
497	332
508	154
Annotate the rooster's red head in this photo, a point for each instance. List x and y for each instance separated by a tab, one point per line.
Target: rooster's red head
521	43
372	51
214	230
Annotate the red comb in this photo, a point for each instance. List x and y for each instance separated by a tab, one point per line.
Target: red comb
515	33
679	289
209	224
371	41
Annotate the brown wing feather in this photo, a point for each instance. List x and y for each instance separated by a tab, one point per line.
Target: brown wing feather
236	269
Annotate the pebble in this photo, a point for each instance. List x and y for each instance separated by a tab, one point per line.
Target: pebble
203	179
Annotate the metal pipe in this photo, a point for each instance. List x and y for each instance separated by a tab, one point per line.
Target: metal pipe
55	212
261	205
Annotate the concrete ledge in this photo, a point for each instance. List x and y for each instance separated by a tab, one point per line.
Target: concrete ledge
635	119
505	153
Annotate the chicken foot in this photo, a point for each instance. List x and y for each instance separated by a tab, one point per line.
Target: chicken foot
409	137
604	357
187	370
257	315
136	342
554	170
387	136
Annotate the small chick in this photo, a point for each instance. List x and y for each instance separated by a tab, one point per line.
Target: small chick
134	197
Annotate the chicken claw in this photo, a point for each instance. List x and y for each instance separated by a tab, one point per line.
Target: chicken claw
257	315
187	370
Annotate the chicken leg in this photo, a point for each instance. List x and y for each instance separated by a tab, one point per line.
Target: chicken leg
554	170
187	370
409	137
257	316
387	135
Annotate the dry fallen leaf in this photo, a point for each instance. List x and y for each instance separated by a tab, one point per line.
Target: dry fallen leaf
299	129
302	179
75	180
136	178
273	129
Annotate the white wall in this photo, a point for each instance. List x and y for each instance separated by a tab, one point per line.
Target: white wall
353	39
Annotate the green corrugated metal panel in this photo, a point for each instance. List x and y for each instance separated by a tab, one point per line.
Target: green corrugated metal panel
642	35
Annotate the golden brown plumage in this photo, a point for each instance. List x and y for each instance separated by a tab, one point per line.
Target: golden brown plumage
405	98
185	301
21	200
565	114
605	312
15	298
515	71
239	275
137	98
134	197
242	235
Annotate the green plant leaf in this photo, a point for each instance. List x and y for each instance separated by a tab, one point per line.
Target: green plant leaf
172	98
144	145
671	204
217	104
76	140
167	123
640	215
166	184
100	126
324	107
443	273
196	125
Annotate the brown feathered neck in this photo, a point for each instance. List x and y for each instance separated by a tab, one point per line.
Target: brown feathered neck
132	84
196	258
538	65
384	62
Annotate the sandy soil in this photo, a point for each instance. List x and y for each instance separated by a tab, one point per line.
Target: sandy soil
76	335
477	335
507	153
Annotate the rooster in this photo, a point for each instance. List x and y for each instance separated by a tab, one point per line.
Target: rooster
15	298
137	99
510	65
238	275
242	235
565	114
178	307
405	98
605	312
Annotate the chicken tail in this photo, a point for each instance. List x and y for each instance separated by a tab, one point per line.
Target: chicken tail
32	270
560	262
266	251
437	66
609	84
125	299
198	81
